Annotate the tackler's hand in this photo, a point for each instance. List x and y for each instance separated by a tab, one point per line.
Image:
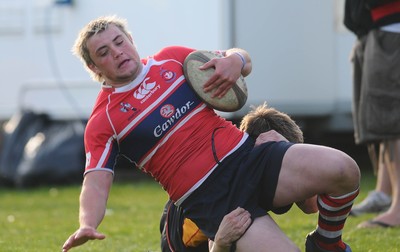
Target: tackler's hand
269	136
232	227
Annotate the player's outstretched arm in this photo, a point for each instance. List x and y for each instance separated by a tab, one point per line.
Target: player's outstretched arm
93	200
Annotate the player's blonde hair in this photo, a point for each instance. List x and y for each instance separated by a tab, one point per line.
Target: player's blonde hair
94	27
263	118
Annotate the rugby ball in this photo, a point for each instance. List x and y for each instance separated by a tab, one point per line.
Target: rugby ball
233	100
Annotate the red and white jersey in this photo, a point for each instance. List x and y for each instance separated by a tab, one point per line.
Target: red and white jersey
160	125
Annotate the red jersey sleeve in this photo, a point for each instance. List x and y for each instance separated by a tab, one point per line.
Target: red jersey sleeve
101	147
178	53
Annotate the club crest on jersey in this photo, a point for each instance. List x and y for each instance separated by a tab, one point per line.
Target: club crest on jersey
167	111
168	75
172	115
125	107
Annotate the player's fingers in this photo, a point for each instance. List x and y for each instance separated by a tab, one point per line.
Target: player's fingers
236	213
211	83
217	79
240	230
244	217
247	224
220	91
68	243
240	211
99	236
207	65
80	238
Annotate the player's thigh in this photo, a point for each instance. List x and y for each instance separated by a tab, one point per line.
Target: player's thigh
265	235
313	169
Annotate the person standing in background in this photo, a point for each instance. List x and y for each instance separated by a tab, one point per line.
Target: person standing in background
376	101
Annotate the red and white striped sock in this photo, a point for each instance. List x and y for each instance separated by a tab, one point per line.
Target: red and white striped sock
333	212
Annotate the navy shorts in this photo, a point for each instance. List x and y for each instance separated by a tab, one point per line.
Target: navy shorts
247	179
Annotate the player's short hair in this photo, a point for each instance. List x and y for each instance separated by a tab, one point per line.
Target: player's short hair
94	27
263	118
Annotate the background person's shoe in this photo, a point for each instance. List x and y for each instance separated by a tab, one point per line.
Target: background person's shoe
312	246
375	224
375	202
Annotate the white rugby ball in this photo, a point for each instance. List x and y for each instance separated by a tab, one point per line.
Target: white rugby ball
233	100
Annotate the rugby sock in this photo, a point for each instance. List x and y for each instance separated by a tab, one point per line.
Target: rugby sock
333	212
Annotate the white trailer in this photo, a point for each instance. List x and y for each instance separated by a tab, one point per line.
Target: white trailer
299	50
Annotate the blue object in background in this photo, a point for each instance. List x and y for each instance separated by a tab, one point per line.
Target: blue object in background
66	2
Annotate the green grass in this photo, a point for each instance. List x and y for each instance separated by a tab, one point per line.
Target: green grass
41	219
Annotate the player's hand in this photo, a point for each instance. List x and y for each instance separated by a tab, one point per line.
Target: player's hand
269	136
81	236
227	72
232	227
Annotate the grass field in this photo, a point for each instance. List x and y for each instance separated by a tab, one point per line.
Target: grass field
41	219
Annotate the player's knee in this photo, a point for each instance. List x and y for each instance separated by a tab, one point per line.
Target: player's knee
348	171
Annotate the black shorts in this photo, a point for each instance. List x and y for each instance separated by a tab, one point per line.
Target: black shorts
247	179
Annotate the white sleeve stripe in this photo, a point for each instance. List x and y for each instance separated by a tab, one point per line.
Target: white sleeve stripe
105	153
99	169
